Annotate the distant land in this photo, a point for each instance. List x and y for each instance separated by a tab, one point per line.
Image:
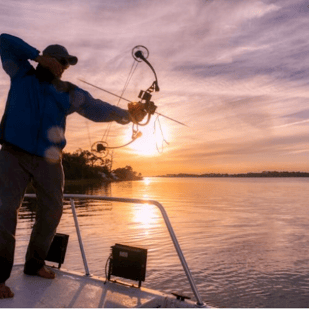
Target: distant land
262	174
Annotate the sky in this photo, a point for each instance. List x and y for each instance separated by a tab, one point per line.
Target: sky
235	72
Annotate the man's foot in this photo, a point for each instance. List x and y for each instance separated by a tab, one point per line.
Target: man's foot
44	272
5	291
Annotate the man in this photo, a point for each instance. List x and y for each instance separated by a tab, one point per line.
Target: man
32	137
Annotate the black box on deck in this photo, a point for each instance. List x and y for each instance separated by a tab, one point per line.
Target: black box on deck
58	249
128	262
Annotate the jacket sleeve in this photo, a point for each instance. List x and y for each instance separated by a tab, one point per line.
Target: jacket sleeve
94	109
15	54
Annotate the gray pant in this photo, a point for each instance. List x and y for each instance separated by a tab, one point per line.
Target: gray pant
17	169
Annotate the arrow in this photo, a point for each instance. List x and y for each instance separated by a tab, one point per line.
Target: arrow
115	95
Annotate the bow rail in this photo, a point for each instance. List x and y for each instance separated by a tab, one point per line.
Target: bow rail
168	224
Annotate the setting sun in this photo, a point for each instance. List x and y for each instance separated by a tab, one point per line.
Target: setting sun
150	143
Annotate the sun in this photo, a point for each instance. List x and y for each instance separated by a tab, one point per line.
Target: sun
150	141
144	146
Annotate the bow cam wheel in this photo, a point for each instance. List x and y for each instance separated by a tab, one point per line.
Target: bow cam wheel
139	52
100	148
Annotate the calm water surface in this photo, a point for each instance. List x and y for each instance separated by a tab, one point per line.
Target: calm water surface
246	240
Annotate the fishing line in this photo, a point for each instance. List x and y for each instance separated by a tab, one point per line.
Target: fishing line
131	73
162	135
88	133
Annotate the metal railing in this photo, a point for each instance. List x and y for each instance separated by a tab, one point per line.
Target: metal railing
199	303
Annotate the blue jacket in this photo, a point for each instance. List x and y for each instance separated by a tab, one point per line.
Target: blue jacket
35	113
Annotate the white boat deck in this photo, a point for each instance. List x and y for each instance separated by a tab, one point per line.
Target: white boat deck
73	290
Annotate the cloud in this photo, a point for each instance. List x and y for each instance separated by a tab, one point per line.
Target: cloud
304	114
260	45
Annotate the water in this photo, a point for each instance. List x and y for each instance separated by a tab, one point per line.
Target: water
245	240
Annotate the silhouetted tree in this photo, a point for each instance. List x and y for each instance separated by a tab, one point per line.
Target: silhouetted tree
83	164
126	173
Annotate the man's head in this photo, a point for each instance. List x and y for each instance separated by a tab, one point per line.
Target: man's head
61	54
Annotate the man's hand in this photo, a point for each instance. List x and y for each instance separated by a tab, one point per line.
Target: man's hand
137	112
52	64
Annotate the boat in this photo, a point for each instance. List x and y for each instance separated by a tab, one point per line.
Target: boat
84	290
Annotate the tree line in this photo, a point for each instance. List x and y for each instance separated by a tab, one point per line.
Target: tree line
83	164
262	174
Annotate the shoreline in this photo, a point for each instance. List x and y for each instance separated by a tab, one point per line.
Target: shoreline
273	174
95	181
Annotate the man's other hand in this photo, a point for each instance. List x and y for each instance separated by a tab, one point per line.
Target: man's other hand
52	64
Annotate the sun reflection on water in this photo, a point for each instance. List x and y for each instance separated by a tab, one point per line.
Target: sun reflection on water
147	180
145	215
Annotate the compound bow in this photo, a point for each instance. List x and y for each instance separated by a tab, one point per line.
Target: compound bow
140	53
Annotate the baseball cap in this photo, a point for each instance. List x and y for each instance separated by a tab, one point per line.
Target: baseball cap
59	51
